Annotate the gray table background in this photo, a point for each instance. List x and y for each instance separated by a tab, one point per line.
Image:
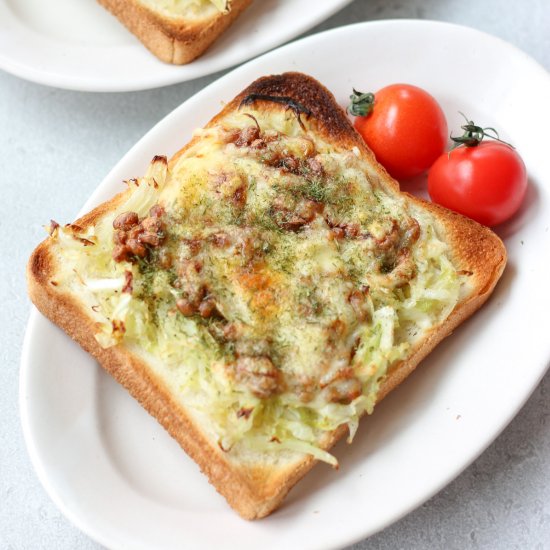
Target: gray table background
56	146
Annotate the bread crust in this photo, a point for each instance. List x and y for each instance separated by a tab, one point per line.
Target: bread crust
173	40
254	492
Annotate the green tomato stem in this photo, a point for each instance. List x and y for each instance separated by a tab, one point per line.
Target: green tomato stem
474	135
361	103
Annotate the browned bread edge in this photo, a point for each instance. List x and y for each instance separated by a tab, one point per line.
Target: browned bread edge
175	41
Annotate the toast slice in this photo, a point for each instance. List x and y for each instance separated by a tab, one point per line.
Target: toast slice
176	31
261	291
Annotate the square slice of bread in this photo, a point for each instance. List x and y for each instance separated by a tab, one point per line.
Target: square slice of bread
175	35
277	286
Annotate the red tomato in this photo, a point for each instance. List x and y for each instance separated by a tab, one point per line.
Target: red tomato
406	130
486	183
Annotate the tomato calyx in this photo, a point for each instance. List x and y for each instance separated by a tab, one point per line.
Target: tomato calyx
361	103
474	135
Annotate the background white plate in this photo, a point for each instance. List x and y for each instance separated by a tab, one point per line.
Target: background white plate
78	45
118	476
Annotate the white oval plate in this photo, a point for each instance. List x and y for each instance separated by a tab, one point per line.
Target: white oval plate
78	45
118	476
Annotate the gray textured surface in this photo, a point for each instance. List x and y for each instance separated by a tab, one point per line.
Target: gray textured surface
56	146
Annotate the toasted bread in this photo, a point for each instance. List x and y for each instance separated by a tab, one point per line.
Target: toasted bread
356	325
175	35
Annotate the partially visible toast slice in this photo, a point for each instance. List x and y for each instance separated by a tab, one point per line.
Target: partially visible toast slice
175	34
288	139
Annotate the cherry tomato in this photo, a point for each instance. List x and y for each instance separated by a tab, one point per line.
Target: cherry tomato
486	182
405	129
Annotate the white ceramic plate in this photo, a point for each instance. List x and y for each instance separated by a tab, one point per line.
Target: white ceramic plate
78	45
115	473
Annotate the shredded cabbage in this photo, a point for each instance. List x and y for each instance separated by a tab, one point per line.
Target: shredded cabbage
146	191
186	353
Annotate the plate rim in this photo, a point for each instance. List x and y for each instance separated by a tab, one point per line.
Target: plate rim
30	444
34	317
66	81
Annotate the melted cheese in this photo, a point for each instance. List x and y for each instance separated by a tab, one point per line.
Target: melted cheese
333	302
190	9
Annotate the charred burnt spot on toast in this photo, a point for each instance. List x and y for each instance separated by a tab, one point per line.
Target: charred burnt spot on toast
297	108
316	101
